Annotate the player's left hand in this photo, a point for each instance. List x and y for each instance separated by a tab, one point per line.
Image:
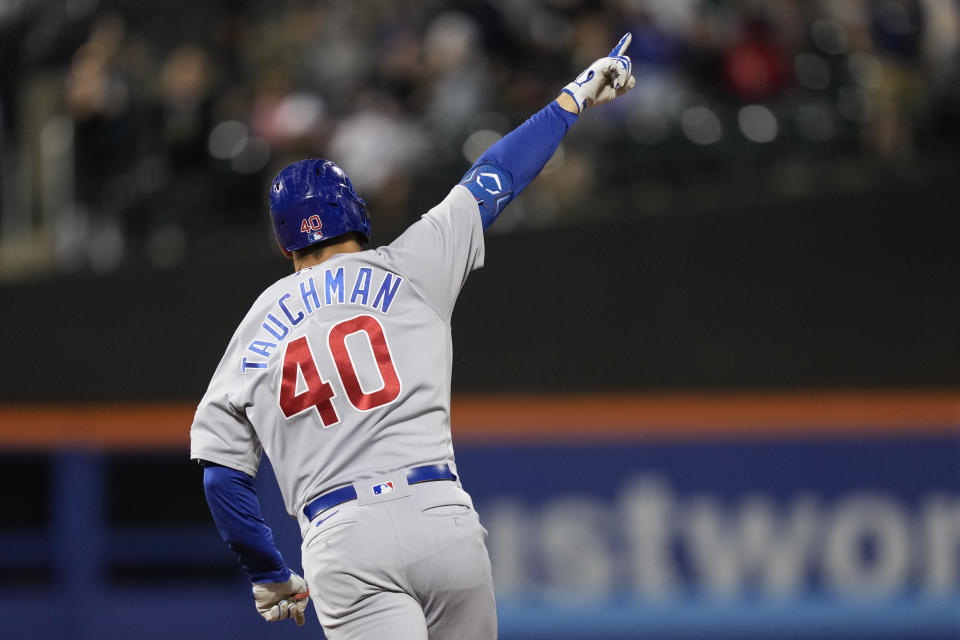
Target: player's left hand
282	600
605	79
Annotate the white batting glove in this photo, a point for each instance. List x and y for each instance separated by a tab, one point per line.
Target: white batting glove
282	600
605	79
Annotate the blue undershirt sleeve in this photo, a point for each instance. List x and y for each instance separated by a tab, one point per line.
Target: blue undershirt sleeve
508	166
236	511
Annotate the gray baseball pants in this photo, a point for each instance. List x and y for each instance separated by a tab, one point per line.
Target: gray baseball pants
408	564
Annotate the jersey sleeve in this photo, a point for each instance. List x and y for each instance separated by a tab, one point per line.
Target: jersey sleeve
438	252
221	432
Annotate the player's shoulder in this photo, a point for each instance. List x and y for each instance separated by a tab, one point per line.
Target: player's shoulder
290	283
459	199
459	209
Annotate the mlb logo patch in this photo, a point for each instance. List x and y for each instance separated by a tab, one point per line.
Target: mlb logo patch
379	489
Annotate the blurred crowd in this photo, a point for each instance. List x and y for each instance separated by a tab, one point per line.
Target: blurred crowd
130	128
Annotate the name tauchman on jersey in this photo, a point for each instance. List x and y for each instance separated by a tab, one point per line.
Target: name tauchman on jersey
372	288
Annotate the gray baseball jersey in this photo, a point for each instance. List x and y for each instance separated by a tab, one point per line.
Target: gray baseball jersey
342	371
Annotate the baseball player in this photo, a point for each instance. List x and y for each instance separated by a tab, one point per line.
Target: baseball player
341	372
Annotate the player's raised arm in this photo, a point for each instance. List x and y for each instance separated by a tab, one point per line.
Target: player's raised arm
508	166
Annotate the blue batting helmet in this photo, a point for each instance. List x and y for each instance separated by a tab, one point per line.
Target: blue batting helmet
312	201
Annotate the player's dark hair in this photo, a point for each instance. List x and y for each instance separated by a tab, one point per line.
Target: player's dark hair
317	247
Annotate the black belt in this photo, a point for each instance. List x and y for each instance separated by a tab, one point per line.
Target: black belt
416	475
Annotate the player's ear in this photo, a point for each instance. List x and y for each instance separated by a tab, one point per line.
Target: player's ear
288	254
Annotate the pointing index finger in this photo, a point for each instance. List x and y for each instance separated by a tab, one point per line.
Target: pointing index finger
622	45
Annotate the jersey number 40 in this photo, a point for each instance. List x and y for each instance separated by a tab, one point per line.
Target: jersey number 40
319	393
